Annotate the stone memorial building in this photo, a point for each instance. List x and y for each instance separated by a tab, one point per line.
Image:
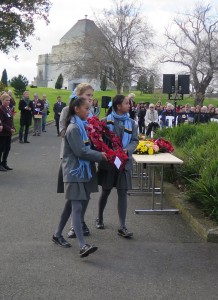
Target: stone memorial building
49	66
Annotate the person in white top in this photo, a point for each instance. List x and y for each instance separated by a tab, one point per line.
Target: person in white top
151	119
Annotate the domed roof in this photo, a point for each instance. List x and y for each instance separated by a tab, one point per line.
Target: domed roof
80	29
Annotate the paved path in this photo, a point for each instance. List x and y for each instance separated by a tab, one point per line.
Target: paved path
165	260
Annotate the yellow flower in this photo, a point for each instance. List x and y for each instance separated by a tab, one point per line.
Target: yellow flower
150	151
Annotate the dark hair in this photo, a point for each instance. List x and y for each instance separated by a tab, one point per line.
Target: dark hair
75	102
118	99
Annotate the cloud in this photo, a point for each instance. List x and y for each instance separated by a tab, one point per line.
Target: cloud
64	14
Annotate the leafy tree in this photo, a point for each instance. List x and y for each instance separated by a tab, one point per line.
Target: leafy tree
193	44
19	84
18	19
59	82
120	42
2	87
4	79
103	86
142	84
151	85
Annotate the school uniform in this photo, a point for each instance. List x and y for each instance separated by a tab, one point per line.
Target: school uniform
109	176
78	160
74	147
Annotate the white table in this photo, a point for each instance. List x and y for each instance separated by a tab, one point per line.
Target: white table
153	161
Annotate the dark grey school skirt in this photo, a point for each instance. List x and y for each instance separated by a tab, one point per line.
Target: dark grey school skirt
114	178
77	191
77	188
81	190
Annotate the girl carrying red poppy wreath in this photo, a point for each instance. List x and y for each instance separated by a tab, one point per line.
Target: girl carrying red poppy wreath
109	176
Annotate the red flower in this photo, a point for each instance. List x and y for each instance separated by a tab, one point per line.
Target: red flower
96	131
164	145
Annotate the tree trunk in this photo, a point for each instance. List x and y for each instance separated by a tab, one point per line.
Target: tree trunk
199	98
119	87
200	87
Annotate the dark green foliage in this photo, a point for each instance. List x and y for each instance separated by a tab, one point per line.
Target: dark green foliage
2	87
4	79
151	85
18	19
197	146
179	135
59	82
19	84
103	86
142	84
204	191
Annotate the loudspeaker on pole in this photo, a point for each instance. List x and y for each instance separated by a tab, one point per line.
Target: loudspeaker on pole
183	84
169	83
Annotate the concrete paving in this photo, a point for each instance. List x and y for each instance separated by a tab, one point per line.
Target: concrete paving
164	260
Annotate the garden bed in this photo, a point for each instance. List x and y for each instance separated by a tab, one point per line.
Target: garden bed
197	146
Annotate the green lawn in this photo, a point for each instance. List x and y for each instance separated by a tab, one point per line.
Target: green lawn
53	93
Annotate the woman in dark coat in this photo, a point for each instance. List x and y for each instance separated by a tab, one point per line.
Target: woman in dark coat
26	114
6	117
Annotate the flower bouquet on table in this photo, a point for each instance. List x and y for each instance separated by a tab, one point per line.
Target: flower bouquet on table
106	141
153	146
164	145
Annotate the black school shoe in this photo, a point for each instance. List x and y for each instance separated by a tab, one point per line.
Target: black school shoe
60	241
2	168
87	249
124	232
6	167
72	234
99	224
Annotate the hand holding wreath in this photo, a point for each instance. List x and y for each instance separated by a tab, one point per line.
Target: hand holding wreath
99	133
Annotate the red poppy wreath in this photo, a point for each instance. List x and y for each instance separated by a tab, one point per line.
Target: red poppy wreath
97	131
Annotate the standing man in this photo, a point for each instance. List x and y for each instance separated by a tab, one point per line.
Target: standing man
26	113
58	106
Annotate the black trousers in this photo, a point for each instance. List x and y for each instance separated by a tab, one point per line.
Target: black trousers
5	147
26	131
141	127
57	125
151	126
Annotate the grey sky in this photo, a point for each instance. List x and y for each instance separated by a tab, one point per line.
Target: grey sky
65	13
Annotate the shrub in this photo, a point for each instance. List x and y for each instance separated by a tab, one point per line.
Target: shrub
19	84
59	82
197	146
204	191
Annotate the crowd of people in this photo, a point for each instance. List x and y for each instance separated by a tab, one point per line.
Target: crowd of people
35	111
150	116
